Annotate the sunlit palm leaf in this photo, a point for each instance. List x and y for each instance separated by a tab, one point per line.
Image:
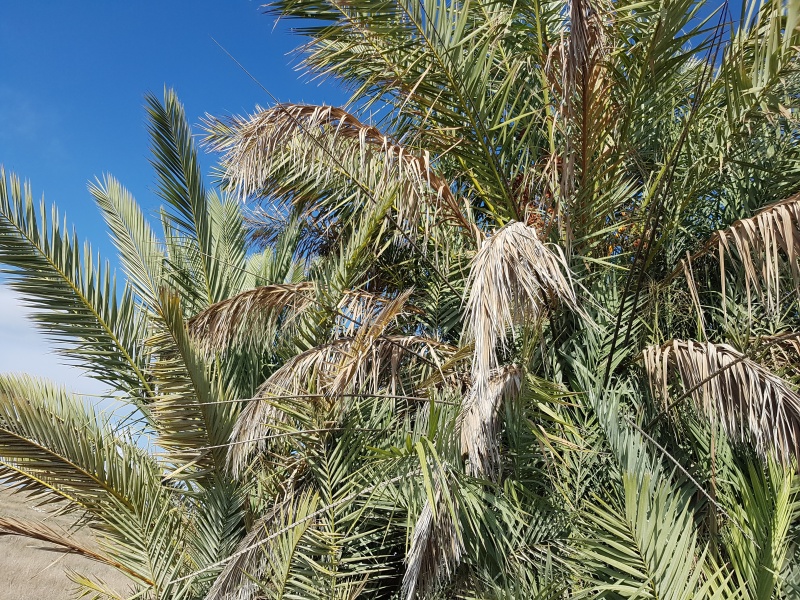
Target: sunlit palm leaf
752	403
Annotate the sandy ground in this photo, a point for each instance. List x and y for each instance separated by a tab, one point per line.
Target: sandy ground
33	570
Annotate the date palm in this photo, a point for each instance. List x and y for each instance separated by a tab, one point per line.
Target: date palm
529	332
568	198
152	486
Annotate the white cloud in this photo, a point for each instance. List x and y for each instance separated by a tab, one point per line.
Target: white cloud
24	349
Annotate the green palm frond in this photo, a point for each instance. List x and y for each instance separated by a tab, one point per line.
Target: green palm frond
192	416
190	212
645	544
763	504
52	446
74	297
141	253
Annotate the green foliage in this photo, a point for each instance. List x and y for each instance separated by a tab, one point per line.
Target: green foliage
534	333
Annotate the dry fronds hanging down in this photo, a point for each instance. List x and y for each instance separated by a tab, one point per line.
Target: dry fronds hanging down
514	280
328	372
251	144
259	309
358	308
435	551
764	244
363	344
43	533
752	403
254	310
480	420
578	74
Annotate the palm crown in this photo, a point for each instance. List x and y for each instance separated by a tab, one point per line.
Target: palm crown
529	332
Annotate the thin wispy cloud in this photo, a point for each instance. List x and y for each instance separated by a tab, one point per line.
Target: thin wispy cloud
23	349
25	120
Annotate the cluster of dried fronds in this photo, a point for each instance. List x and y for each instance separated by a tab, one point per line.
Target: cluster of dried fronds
255	147
435	549
751	403
480	420
765	245
329	376
514	280
256	310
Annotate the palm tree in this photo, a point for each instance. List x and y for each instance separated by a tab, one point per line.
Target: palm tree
528	332
571	209
153	486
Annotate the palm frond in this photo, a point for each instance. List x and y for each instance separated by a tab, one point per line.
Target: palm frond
764	244
255	310
74	297
140	252
762	503
752	403
190	209
255	147
263	556
436	549
54	447
317	375
480	418
193	426
647	547
43	533
514	280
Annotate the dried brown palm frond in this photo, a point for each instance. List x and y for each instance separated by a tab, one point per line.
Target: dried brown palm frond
258	310
364	343
436	549
358	308
250	144
254	310
780	354
765	245
479	421
367	360
752	403
762	243
317	374
43	533
579	76
514	280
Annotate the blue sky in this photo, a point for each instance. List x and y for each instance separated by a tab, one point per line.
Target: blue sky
72	81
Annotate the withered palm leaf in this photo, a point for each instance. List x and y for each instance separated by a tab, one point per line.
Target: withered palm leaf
480	420
253	146
317	375
764	244
515	279
436	549
65	543
752	403
253	310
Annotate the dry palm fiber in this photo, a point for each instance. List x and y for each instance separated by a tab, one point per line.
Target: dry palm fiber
752	403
